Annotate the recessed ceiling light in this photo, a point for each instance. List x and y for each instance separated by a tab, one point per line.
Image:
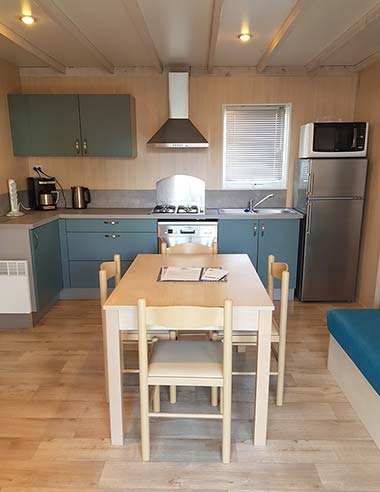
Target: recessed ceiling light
28	19
245	36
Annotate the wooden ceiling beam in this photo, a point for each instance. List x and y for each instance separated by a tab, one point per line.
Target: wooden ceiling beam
281	35
31	48
214	31
133	9
368	18
370	60
57	15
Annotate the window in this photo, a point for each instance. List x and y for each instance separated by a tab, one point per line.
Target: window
255	146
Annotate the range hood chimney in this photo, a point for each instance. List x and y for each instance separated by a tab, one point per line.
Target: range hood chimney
178	131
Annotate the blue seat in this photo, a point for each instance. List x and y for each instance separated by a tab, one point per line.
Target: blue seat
358	332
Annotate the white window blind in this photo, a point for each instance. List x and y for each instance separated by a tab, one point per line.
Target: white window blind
255	146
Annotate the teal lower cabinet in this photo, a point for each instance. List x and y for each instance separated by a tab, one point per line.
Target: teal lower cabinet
85	274
47	267
102	246
239	236
259	239
110	225
278	237
86	243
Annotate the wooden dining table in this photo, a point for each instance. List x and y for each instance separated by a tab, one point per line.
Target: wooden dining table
252	312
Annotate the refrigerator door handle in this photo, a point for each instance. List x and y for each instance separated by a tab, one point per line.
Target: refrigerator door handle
334	198
310	185
308	219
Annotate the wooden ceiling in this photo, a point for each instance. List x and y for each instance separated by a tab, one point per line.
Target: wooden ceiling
288	35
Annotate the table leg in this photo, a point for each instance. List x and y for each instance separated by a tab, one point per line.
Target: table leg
262	378
114	377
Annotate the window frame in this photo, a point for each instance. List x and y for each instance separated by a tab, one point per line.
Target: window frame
243	185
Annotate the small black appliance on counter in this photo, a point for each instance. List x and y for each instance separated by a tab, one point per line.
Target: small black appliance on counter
43	194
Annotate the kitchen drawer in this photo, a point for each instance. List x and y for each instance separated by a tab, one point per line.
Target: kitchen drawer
102	246
85	274
111	224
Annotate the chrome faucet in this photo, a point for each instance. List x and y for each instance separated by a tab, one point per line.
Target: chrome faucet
252	205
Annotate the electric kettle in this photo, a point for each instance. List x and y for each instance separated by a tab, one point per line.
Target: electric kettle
81	196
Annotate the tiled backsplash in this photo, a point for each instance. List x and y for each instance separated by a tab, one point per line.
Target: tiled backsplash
240	198
147	198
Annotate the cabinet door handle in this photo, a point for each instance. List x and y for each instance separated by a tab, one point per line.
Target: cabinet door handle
254	230
77	146
85	146
111	222
262	230
36	240
112	236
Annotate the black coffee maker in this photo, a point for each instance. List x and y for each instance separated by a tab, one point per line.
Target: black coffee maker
43	194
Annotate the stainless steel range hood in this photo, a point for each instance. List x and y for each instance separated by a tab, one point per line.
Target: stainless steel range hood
178	131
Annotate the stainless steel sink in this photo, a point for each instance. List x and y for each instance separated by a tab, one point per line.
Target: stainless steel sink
257	211
274	211
234	211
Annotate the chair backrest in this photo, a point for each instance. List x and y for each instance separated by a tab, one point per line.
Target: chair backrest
280	271
189	249
185	317
108	270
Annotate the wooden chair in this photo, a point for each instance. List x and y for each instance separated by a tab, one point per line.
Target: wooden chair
190	249
185	363
109	270
278	271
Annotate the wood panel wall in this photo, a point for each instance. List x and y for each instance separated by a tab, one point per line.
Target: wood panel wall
312	98
368	109
10	167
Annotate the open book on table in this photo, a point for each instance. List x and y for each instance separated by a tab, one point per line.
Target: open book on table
192	274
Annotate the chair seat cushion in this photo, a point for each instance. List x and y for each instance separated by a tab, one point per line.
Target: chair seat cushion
358	332
187	359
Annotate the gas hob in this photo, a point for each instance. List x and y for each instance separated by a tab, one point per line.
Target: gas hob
178	209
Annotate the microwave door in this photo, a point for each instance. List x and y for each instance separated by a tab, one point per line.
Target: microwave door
336	137
324	138
337	178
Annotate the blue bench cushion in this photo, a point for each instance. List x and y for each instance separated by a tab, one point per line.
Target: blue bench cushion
358	333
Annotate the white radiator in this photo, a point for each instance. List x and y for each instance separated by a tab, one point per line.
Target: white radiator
14	287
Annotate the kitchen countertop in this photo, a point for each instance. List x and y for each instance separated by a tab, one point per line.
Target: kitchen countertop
37	218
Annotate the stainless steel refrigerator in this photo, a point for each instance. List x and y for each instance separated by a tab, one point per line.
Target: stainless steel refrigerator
330	192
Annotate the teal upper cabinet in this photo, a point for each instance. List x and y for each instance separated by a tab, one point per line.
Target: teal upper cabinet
108	125
45	124
72	125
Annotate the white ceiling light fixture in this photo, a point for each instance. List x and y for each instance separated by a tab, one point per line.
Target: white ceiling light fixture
28	19
245	36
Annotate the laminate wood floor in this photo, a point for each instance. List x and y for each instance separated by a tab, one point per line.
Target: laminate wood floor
54	431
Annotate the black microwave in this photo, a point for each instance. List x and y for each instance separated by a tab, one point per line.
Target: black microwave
333	139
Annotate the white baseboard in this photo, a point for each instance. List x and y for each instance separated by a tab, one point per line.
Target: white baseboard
363	398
